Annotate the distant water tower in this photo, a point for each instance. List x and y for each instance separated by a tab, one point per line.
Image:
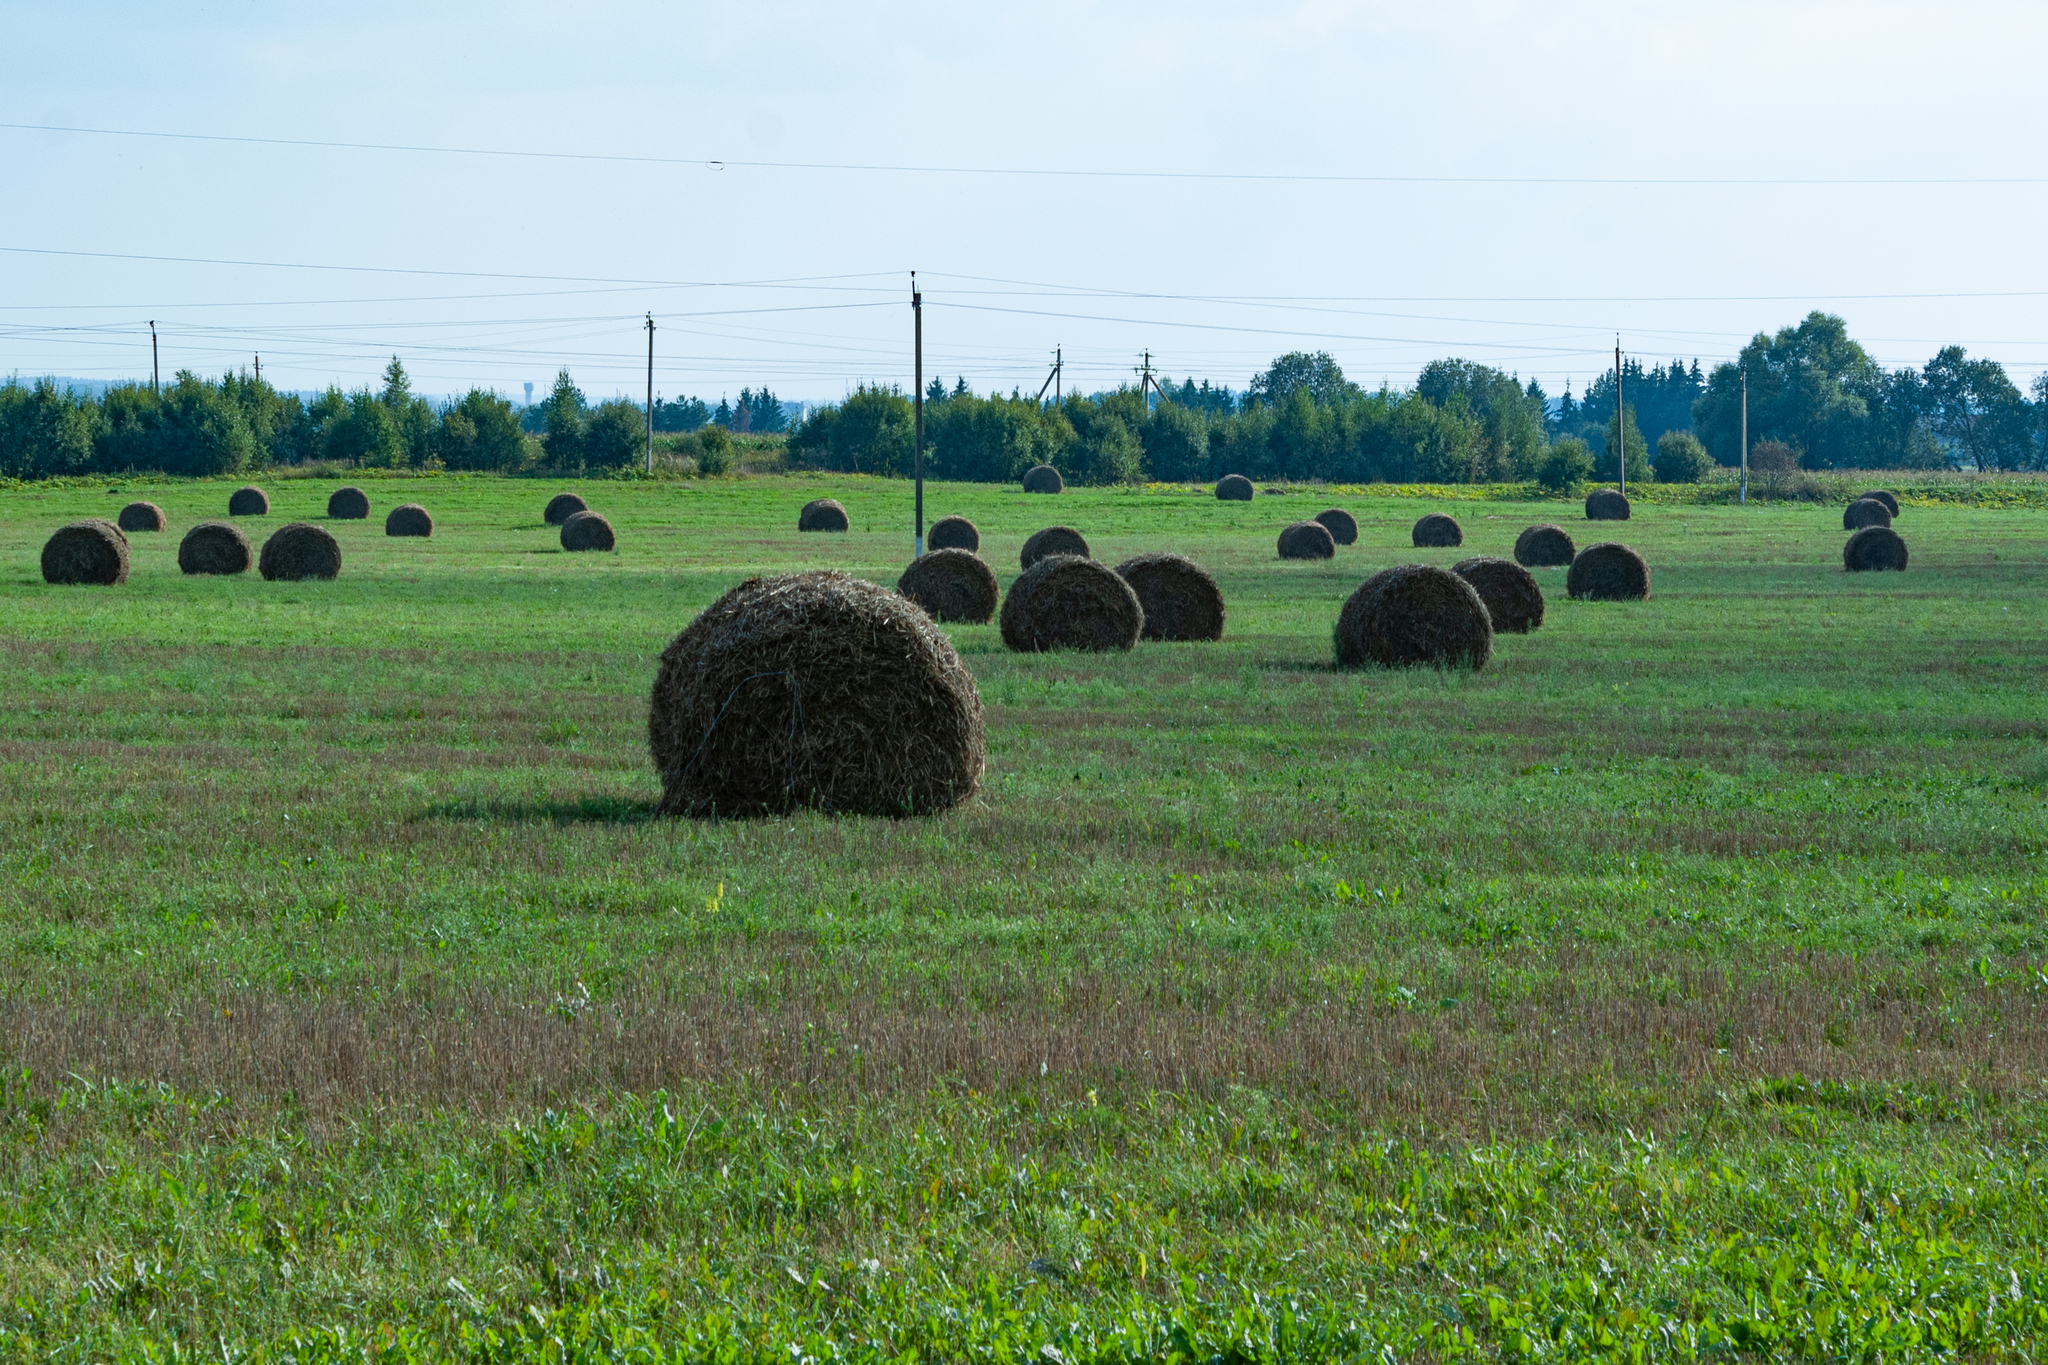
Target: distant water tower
529	393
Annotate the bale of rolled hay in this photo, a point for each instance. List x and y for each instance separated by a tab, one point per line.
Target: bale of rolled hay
1513	600
1342	526
248	502
1874	548
1544	547
954	533
348	504
1608	572
1607	504
587	531
823	514
298	552
1178	597
1043	478
1437	531
409	519
1865	512
951	585
563	506
1071	602
1053	540
1307	540
813	689
1234	488
91	551
215	547
1889	499
1414	615
141	516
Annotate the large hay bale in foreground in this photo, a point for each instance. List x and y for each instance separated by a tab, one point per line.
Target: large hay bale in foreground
1437	531
1608	572
298	552
951	585
215	547
563	506
1607	504
813	689
92	551
1514	602
1071	602
1865	512
1043	478
823	514
953	533
409	519
250	501
141	516
1872	549
1885	496
1342	526
1053	540
1544	547
1234	488
587	531
1179	598
348	503
1307	540
1414	615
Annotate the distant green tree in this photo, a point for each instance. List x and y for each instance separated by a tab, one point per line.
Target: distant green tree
1110	453
1565	466
1176	442
481	432
1681	458
615	436
1317	374
1978	412
1810	386
1511	419
869	433
367	434
1639	468
764	410
563	438
200	431
126	434
714	451
45	430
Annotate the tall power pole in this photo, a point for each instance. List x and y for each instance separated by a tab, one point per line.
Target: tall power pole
155	374
917	343
1620	426
1743	496
650	393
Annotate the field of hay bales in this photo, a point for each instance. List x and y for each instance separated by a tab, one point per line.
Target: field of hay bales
1675	986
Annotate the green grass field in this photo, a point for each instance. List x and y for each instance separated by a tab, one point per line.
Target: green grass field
1675	988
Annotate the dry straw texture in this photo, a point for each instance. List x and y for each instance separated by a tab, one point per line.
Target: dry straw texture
1234	488
91	551
1865	512
1043	478
823	514
1437	531
215	547
1342	526
1889	499
300	551
1307	540
563	506
348	504
1513	600
954	533
248	502
410	519
1608	572
1544	547
1178	597
587	531
141	516
951	585
814	689
1874	548
1414	615
1053	540
1607	504
1070	602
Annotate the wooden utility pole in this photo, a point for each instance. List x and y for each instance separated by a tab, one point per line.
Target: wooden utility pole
1052	381
917	344
1743	496
259	366
650	393
155	374
1620	426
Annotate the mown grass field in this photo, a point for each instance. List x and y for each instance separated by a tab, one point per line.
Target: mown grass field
1676	987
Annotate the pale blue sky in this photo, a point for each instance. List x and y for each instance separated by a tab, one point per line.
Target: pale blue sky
1532	277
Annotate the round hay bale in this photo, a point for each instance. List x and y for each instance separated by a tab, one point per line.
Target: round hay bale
1889	499
1043	478
348	504
1179	598
1544	547
1874	548
300	551
216	547
1513	600
823	514
1437	531
1413	615
91	551
1608	572
1307	540
1865	512
1234	488
951	585
248	502
411	519
587	531
1607	504
141	516
953	533
1342	526
1071	602
563	506
1053	540
814	689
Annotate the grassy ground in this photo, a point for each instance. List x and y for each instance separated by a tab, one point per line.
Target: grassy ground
1674	986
